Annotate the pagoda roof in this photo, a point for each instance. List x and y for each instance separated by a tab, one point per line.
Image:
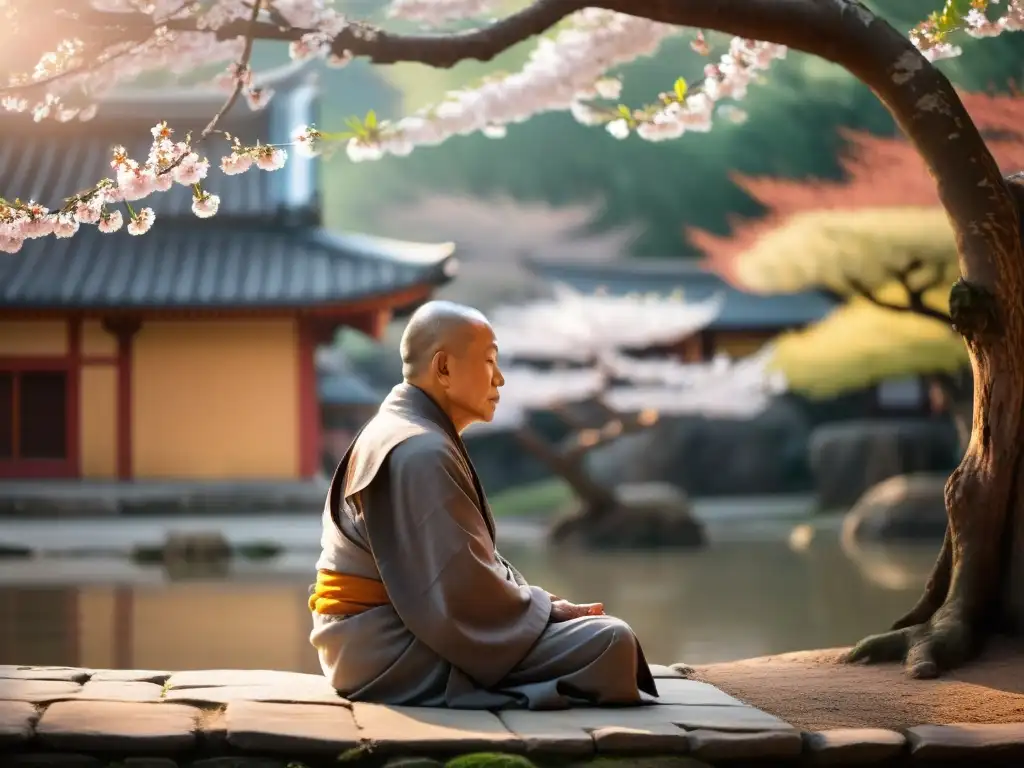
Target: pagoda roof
206	266
740	310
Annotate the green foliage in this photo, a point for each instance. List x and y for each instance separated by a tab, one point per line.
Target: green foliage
490	760
533	500
860	345
823	248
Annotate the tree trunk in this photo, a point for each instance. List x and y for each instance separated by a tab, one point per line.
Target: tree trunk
594	496
958	396
977	585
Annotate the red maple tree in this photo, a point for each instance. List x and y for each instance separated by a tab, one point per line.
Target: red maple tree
878	172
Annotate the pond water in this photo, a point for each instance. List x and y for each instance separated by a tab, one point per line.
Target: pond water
750	593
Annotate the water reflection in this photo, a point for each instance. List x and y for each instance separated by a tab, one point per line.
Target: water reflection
736	599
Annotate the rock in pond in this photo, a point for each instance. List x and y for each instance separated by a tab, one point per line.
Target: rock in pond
848	458
903	508
644	516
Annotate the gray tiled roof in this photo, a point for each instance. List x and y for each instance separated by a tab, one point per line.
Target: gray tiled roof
740	310
51	161
206	265
31	169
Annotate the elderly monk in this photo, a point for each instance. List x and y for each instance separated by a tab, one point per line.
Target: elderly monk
413	604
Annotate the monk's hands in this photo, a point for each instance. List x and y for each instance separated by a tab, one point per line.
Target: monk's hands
563	610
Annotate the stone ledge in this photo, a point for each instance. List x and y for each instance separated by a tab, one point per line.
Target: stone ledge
75	715
85	498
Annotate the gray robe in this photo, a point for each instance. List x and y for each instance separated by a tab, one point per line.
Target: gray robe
464	629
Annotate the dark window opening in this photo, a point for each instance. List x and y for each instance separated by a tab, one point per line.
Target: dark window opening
6	415
33	415
43	415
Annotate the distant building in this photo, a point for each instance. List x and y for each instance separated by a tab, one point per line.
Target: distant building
187	352
745	323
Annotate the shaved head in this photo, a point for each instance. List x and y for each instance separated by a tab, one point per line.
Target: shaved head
437	326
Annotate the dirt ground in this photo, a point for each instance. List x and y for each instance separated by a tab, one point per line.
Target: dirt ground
812	691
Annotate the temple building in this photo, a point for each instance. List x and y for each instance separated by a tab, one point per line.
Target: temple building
186	353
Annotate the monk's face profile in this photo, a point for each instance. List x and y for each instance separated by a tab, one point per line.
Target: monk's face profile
471	377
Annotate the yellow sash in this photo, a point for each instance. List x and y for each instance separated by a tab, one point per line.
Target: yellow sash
340	594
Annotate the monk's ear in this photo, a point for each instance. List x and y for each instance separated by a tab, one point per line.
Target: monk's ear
439	365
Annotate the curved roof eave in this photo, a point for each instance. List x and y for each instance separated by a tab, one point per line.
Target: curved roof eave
402	251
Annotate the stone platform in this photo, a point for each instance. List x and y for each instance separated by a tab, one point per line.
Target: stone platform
66	499
58	716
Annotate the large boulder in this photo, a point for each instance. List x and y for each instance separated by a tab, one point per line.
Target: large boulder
847	458
714	457
643	516
904	508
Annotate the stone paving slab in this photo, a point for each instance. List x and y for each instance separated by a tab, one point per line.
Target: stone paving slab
37	691
408	729
853	746
280	694
219	678
718	718
694	693
130	676
279	729
113	690
17	719
541	733
976	741
66	674
718	746
652	739
122	727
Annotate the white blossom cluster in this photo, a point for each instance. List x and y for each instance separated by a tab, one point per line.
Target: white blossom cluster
976	23
583	339
561	71
578	327
728	79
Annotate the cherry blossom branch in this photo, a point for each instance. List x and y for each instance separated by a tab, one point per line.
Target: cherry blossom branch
19	221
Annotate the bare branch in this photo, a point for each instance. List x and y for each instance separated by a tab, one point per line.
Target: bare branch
915	299
241	68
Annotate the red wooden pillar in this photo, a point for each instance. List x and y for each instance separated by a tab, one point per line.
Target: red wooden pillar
124	330
74	396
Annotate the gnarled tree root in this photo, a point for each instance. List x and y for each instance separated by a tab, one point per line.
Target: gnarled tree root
935	590
927	650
